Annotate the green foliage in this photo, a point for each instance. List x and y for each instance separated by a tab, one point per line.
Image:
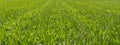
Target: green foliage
59	22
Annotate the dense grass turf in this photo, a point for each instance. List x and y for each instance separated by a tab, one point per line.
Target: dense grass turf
60	22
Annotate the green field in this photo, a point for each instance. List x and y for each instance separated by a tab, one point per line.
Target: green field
59	22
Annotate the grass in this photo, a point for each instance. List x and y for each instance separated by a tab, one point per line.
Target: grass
59	22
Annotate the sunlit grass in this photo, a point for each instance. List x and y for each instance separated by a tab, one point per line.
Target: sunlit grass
59	22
